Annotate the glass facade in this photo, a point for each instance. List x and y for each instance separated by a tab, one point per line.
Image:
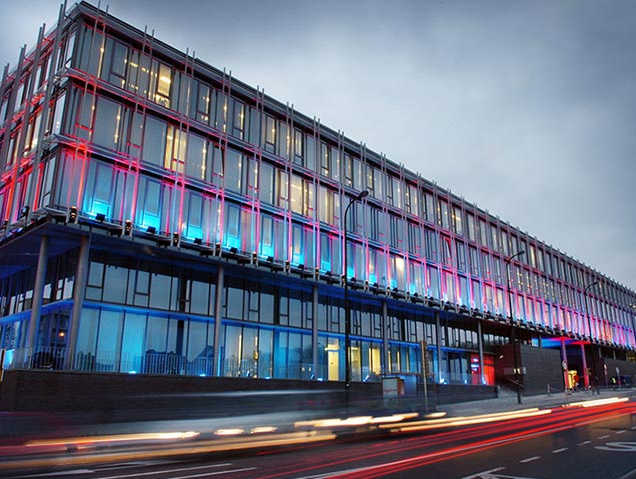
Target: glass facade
110	131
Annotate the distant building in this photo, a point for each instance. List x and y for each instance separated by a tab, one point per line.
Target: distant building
161	217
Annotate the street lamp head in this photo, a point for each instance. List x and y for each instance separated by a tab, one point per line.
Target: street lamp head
518	253
589	286
362	194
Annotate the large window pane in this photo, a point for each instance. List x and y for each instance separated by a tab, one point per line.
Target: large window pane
154	141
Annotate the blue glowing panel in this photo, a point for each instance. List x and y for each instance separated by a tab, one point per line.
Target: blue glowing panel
99	207
231	241
192	232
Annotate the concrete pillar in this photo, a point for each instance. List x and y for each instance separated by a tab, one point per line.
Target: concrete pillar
79	291
218	303
38	292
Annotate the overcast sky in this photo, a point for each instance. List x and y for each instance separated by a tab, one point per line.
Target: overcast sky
526	108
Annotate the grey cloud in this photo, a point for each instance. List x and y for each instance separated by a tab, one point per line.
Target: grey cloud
525	108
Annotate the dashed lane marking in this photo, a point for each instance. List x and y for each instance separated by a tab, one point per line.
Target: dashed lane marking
622	431
530	459
605	436
556	451
584	443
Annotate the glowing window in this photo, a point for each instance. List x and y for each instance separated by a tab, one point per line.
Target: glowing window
267	236
164	83
232	226
270	134
297	245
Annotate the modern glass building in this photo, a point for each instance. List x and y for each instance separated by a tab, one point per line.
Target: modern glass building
161	217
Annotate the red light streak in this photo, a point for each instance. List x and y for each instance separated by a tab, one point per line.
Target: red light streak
452	453
484	437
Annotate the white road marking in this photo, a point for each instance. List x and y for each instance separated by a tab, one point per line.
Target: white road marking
556	451
584	443
485	474
530	459
207	474
604	436
491	475
326	475
618	447
170	470
622	431
133	464
62	473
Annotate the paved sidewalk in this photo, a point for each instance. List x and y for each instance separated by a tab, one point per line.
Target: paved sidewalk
508	401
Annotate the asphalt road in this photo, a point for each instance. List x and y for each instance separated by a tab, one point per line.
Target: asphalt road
595	442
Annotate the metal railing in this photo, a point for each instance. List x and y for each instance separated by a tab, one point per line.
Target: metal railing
150	362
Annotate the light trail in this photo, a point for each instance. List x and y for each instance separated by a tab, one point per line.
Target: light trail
478	433
380	470
597	402
561	420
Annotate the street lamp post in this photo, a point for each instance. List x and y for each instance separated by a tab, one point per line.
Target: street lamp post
508	262
360	196
589	326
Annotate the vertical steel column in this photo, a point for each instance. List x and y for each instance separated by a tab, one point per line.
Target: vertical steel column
4	146
44	122
385	341
38	292
218	303
182	307
438	333
480	345
81	279
314	332
28	113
